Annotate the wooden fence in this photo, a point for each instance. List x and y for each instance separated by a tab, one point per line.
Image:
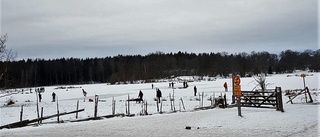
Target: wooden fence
304	91
263	99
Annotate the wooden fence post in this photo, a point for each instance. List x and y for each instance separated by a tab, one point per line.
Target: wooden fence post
202	99
37	106
180	105
307	90
146	108
21	113
183	104
96	99
41	115
170	101
142	108
213	99
125	103
225	100
199	99
113	106
128	105
174	106
277	99
58	110
160	106
77	109
280	99
157	102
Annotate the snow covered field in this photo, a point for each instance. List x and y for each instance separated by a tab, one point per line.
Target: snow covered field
299	119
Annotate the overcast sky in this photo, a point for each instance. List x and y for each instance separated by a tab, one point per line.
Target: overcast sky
85	28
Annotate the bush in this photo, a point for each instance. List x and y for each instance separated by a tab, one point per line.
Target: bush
10	101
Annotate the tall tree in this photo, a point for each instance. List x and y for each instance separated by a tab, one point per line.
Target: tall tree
6	55
156	65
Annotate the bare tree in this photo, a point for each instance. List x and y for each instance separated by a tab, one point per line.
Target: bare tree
3	40
261	80
6	55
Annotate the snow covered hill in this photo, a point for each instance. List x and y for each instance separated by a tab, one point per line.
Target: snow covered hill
298	119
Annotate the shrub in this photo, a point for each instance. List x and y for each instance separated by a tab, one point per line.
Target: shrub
10	101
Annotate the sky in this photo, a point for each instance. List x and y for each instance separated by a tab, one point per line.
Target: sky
50	29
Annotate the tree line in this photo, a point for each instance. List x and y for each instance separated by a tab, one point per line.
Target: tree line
40	72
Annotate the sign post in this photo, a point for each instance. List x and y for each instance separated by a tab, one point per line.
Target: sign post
304	84
304	81
237	92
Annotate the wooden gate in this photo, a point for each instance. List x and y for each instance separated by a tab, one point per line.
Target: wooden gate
266	99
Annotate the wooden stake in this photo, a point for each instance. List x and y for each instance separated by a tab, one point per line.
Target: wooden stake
41	115
179	106
37	106
214	98
113	106
58	120
128	105
307	90
21	113
202	99
183	104
239	106
157	102
146	108
125	103
170	101
174	106
199	100
160	106
96	99
233	97
142	108
225	100
77	109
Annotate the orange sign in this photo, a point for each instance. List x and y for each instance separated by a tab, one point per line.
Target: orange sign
237	87
236	80
237	91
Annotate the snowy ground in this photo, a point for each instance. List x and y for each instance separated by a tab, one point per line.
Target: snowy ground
299	119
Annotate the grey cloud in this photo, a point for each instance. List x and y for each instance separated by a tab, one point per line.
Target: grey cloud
142	27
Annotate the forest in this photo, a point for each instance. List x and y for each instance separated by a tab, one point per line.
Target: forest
65	71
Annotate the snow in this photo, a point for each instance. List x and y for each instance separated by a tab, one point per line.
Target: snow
299	119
